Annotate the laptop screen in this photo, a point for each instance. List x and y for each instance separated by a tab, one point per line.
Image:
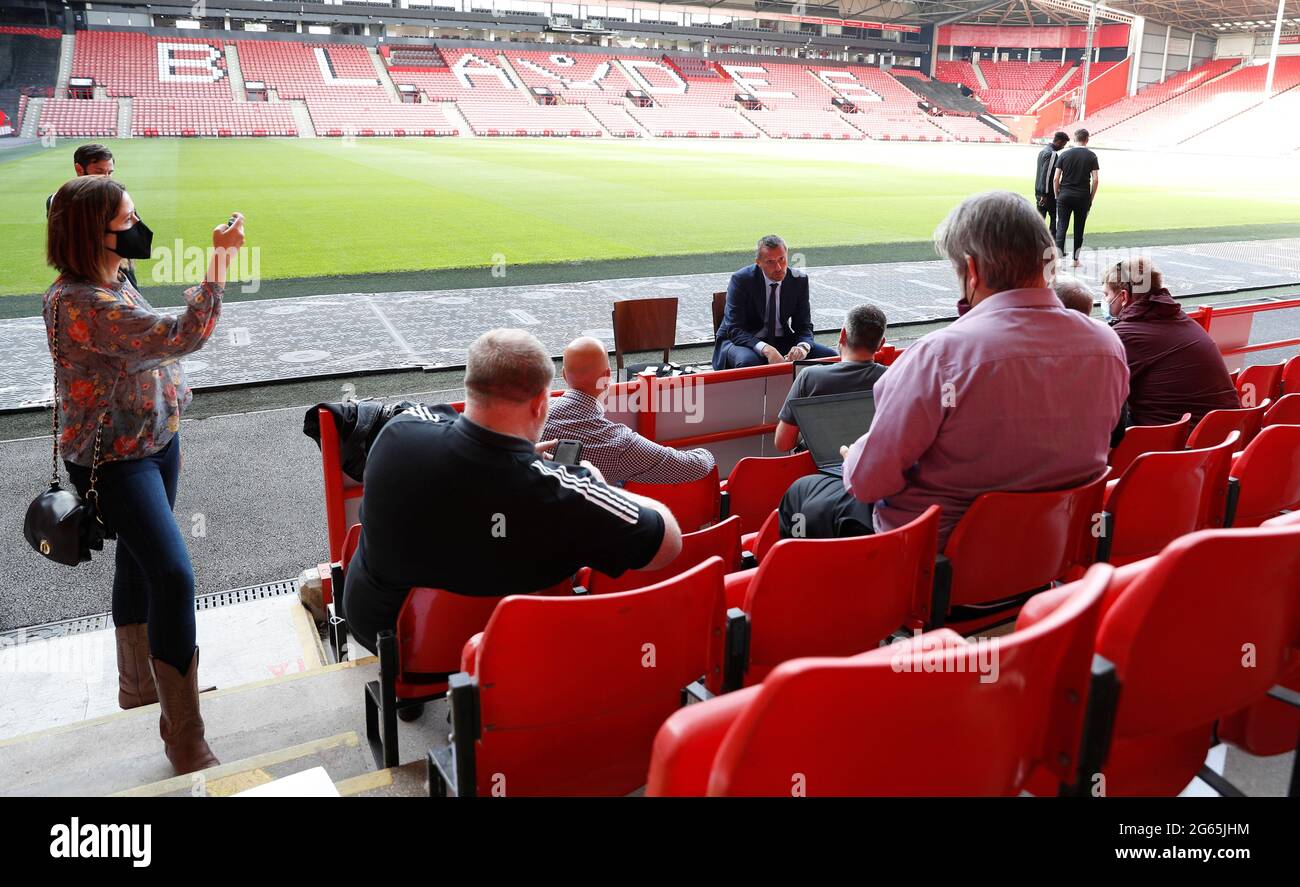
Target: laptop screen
833	421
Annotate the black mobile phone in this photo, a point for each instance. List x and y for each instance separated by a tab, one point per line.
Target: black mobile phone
568	452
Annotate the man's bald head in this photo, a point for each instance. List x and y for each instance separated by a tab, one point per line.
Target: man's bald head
586	365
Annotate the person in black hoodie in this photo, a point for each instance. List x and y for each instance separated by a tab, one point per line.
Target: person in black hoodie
1044	198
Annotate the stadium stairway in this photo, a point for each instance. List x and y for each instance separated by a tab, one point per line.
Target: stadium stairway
262	731
382	73
302	119
452	112
67	43
32	118
1052	90
124	111
236	74
979	74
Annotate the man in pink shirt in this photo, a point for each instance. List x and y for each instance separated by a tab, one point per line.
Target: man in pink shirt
1019	394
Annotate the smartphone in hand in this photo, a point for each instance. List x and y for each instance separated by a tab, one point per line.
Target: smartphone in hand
568	452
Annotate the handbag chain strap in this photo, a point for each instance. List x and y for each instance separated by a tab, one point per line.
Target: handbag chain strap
93	494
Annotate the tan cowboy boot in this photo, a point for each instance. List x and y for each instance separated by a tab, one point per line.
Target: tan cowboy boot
181	724
134	681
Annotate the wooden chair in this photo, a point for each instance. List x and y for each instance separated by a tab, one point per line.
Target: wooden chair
644	325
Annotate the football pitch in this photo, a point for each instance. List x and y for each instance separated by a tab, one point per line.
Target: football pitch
320	208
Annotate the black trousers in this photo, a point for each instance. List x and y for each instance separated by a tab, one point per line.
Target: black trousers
818	507
1046	205
1067	205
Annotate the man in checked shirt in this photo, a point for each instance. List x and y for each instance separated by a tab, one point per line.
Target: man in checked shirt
620	453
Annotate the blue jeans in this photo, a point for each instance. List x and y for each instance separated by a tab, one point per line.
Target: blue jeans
153	580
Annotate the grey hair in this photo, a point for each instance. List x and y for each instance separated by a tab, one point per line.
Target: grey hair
769	241
1005	236
864	327
510	365
1073	293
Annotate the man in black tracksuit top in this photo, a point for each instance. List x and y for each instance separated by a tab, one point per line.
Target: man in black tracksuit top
1044	198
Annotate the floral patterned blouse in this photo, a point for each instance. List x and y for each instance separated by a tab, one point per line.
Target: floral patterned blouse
119	364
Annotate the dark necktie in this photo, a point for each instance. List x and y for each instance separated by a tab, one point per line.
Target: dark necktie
771	311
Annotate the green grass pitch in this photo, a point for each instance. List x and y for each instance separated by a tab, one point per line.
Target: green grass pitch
325	207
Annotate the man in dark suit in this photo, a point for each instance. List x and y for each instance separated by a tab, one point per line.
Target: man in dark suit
768	318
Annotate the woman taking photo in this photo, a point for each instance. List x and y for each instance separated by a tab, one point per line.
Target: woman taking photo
119	392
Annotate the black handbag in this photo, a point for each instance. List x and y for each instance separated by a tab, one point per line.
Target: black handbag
60	525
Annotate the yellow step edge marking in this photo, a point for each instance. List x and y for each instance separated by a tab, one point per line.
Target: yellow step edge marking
365	782
145	709
221	772
236	783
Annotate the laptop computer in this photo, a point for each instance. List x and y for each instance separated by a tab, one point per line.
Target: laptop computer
831	421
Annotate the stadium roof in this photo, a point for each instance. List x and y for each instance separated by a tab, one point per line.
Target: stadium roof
1205	16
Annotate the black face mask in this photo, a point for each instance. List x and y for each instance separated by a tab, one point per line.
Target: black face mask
135	242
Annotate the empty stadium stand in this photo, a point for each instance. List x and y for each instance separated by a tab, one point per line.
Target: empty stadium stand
142	66
68	117
1156	94
29	60
1206	106
206	117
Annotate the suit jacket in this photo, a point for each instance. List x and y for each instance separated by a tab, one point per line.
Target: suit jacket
743	319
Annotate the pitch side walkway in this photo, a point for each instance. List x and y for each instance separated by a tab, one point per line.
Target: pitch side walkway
263	341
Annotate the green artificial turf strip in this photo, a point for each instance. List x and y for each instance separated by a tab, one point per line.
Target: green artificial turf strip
324	208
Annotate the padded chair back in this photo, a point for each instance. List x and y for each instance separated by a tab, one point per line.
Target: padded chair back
350	545
721	540
644	325
1166	495
1286	411
432	628
572	690
1268	476
1007	544
1260	382
756	485
694	504
1139	439
719	309
882	723
838	597
1218	424
1205	631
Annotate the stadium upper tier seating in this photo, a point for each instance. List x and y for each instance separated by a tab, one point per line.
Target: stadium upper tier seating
142	66
332	72
1195	111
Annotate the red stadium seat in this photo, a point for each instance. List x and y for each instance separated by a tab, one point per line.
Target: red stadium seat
1009	546
882	723
1139	439
1291	376
754	546
1285	412
1258	383
694	504
1265	478
756	485
415	663
564	695
1177	633
720	540
831	597
1218	424
1163	496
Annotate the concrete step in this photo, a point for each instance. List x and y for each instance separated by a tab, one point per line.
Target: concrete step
381	72
124	111
32	118
407	781
302	119
235	73
67	43
273	726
